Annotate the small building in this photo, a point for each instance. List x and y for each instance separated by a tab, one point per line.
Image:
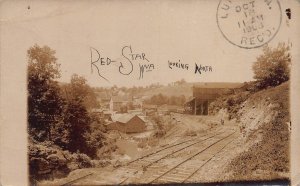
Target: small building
149	109
204	94
127	123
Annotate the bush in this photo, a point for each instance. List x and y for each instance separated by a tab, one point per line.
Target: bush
94	141
272	67
82	160
230	102
47	161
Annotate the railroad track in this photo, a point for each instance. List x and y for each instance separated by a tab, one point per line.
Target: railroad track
182	170
185	170
149	160
207	161
146	161
193	139
175	131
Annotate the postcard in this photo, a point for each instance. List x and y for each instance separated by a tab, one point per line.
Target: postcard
144	92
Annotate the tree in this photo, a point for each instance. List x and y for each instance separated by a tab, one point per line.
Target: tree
80	98
45	103
78	90
77	120
76	114
273	66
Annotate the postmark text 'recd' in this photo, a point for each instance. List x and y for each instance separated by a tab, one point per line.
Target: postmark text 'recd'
249	24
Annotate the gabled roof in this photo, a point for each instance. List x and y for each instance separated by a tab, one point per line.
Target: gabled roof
218	85
115	117
124	118
143	118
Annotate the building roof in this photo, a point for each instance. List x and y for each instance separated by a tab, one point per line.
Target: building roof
115	117
143	118
218	85
124	118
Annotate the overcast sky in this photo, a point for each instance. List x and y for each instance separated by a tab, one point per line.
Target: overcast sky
162	30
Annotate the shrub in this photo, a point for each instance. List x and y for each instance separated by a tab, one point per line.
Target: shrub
230	102
82	160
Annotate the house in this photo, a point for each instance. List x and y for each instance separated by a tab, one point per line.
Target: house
149	109
204	94
128	123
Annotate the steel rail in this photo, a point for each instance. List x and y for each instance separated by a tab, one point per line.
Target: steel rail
167	147
190	158
207	161
178	150
73	181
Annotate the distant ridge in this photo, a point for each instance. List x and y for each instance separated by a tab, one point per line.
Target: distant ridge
218	85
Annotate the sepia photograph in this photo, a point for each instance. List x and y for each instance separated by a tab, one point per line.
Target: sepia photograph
150	92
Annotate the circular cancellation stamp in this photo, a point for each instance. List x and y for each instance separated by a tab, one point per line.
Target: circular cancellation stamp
249	24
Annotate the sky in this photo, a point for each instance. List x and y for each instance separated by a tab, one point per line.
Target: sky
159	31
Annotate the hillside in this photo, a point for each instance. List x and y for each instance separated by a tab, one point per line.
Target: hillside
263	119
175	90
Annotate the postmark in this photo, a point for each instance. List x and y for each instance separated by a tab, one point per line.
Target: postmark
249	24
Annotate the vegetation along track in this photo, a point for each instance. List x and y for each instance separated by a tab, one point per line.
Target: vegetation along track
143	162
